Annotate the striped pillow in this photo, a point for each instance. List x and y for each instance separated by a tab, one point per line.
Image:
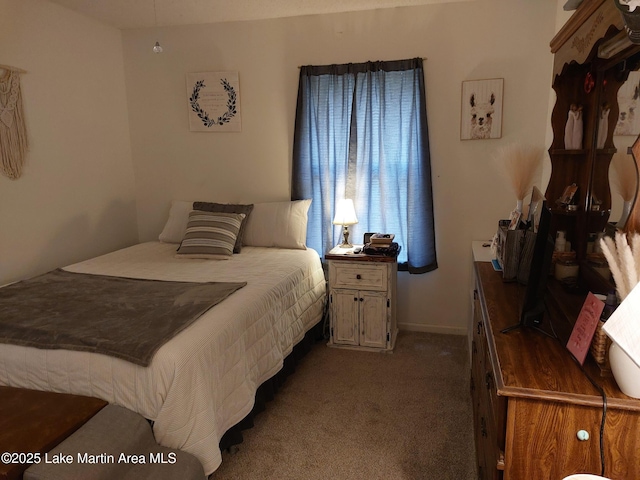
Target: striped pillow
210	235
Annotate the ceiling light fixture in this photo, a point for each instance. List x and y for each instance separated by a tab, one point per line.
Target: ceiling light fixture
156	48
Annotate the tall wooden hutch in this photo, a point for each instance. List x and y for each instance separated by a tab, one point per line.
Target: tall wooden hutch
537	415
592	60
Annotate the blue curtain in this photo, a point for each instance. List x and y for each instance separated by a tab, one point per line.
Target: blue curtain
361	133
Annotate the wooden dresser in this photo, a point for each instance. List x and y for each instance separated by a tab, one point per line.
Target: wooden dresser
532	401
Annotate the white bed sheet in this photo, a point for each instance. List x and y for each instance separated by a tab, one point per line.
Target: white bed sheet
203	381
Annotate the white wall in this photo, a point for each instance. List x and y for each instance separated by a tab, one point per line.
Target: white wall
494	38
76	197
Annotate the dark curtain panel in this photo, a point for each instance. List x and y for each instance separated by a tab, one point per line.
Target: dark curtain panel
361	133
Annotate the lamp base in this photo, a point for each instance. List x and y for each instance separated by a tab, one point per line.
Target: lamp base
345	236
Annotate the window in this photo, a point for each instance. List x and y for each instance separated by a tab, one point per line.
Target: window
361	133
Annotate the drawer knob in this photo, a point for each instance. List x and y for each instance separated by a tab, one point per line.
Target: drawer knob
583	435
359	277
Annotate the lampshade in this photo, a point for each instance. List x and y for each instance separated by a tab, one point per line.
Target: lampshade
345	213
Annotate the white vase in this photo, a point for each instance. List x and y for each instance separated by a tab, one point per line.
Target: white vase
584	476
625	371
519	205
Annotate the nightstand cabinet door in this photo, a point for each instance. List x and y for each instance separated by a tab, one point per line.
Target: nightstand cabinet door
345	307
373	323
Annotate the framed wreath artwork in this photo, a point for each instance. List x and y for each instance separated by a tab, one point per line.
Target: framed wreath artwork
214	102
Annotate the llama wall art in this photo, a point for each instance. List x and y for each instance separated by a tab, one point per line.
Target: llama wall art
481	115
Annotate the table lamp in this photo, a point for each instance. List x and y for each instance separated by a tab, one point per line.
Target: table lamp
345	216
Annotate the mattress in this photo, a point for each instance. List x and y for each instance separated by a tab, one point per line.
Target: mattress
203	381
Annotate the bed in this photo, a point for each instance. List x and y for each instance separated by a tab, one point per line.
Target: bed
203	381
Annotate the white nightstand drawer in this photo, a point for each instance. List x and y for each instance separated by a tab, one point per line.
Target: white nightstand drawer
360	276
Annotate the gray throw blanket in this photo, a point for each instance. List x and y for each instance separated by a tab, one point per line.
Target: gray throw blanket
122	317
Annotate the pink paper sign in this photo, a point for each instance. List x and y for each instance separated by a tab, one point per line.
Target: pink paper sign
585	327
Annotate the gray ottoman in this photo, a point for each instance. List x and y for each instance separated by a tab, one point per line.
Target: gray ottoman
115	444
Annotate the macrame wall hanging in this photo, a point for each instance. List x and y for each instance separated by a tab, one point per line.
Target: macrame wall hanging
13	131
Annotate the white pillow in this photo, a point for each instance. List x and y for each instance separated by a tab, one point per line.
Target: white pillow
278	224
176	225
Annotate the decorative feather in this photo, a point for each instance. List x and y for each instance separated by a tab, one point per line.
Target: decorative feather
520	164
624	175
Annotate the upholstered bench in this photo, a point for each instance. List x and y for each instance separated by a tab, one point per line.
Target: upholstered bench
33	422
115	444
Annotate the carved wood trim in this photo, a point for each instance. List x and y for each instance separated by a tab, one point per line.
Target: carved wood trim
579	17
575	41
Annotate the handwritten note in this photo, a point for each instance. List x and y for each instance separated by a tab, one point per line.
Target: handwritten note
585	327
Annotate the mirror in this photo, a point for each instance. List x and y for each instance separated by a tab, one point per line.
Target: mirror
614	174
623	182
623	174
622	170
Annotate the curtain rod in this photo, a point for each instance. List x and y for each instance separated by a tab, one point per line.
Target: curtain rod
423	58
14	69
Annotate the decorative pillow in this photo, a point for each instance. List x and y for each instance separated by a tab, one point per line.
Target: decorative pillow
228	208
278	224
210	235
173	230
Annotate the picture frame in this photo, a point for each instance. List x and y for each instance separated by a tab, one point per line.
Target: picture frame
514	219
213	100
481	109
568	194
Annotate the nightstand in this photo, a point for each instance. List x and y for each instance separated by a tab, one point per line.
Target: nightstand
362	300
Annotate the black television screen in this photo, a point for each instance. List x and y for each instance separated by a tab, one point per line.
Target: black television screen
539	265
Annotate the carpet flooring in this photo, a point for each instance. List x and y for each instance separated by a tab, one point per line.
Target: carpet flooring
348	414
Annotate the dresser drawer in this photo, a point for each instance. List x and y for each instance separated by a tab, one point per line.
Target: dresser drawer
359	276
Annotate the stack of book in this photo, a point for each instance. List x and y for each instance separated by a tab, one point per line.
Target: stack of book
382	239
381	244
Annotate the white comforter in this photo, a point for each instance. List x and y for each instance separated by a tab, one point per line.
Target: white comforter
204	380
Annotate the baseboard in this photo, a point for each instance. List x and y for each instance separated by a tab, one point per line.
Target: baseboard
420	327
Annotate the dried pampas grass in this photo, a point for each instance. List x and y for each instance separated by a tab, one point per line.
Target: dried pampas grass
520	164
624	175
624	261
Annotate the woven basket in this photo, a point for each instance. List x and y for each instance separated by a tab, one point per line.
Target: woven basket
600	348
